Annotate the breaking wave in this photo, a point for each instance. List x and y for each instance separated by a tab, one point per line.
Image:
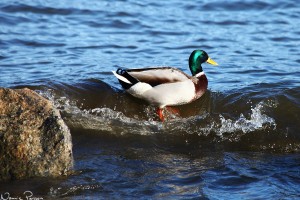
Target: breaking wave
235	120
116	122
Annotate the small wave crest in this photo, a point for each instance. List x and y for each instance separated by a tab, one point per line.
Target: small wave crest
76	189
257	120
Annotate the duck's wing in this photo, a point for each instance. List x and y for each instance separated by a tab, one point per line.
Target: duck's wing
159	75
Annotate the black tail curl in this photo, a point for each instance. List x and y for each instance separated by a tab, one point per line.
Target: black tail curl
125	74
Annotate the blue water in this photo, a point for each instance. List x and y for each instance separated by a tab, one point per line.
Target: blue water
241	140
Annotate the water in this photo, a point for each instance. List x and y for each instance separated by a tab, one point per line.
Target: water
241	140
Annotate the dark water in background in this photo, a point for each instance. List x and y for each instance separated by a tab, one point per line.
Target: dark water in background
241	140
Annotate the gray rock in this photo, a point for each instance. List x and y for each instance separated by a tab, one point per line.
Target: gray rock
34	140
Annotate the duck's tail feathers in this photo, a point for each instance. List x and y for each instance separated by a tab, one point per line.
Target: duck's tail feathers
125	79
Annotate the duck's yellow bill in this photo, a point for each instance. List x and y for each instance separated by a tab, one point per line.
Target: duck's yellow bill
211	61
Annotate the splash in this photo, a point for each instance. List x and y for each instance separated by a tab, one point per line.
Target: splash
116	122
257	121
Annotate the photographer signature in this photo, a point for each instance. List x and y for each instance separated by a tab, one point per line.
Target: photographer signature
28	195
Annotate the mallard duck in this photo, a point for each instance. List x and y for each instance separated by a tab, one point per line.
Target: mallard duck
167	86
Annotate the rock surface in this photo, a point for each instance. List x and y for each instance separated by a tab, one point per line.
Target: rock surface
34	140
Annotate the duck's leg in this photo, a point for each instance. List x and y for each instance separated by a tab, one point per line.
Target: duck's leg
160	114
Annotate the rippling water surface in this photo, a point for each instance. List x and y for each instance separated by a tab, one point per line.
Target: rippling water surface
241	140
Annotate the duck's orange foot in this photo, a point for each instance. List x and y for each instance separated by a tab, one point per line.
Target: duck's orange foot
170	111
160	114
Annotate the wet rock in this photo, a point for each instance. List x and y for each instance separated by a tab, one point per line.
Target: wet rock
34	140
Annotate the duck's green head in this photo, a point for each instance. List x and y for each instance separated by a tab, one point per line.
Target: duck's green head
198	57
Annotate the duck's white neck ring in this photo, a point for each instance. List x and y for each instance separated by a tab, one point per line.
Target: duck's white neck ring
200	74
